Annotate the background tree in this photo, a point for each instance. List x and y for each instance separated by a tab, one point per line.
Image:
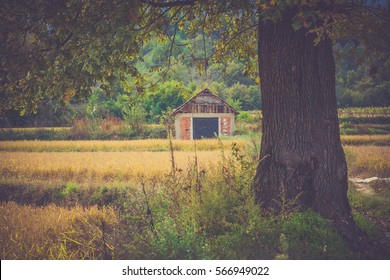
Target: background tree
361	81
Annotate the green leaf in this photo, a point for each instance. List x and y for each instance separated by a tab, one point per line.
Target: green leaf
22	112
297	24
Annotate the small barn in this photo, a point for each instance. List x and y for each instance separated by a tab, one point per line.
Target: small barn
204	116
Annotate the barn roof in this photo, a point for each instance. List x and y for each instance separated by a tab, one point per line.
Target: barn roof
205	92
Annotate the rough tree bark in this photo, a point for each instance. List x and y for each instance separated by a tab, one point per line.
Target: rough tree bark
301	150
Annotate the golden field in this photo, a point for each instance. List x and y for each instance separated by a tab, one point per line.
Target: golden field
116	146
97	166
101	161
151	145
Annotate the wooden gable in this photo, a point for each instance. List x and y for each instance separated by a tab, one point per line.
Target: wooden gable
205	102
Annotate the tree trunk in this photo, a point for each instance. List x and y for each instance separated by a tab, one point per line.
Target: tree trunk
301	152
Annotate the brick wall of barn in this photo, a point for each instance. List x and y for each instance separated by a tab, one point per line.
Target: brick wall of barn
185	128
225	125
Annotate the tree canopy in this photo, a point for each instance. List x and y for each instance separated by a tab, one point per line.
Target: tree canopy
61	49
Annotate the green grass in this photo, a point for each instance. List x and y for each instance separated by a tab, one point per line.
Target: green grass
367	225
377	204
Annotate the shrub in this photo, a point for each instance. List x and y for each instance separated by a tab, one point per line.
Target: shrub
366	225
309	236
155	131
80	129
179	240
244	116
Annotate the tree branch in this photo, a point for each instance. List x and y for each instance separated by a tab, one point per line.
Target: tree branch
169	4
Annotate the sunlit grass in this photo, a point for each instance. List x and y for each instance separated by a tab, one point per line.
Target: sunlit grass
366	161
105	146
364	111
54	232
132	162
160	144
377	140
97	166
65	128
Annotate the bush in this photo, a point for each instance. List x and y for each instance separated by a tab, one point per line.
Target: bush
179	240
244	116
80	129
155	132
309	236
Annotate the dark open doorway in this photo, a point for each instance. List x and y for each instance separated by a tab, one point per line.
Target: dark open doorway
205	127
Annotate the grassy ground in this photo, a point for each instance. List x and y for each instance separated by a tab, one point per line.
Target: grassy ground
96	166
126	200
154	145
91	203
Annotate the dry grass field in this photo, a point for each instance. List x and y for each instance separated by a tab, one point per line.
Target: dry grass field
97	166
149	145
126	161
368	161
377	140
72	231
54	232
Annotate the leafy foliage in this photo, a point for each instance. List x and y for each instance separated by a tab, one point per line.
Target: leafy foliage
60	49
361	80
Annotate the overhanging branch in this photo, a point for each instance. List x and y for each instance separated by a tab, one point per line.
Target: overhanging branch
164	4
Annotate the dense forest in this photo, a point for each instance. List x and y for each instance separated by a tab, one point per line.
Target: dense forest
173	72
